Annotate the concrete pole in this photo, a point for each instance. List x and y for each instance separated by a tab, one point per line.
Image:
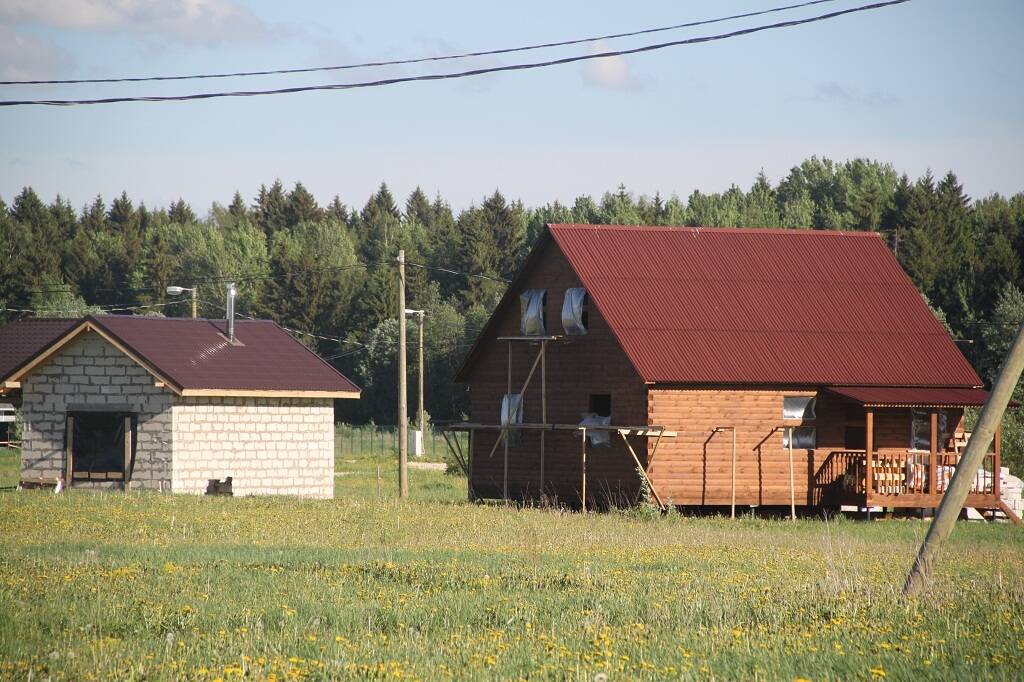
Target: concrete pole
403	413
967	468
195	307
422	413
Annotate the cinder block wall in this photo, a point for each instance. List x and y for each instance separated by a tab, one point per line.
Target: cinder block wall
90	374
269	446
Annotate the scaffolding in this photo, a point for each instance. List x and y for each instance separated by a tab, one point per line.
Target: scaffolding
544	427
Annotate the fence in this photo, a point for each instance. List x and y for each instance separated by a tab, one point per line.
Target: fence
382	441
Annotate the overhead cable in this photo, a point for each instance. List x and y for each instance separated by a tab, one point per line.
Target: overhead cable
413	60
457	74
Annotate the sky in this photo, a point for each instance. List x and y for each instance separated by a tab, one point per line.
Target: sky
931	84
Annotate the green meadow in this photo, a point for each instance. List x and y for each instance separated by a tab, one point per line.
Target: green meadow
97	586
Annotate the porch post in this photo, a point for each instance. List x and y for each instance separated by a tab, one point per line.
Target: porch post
995	465
933	453
869	445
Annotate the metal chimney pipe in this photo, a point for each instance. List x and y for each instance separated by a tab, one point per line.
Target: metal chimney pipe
231	311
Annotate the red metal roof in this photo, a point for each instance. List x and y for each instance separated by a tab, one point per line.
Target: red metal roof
196	355
724	305
902	396
21	340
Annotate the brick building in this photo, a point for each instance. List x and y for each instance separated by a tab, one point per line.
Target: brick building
170	404
724	366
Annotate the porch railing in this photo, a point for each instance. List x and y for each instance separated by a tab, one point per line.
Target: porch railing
909	473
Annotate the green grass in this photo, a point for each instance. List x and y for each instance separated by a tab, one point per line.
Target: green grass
151	586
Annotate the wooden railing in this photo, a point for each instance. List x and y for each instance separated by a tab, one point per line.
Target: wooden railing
909	473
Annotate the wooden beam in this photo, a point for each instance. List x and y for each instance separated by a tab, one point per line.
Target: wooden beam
69	446
1010	514
933	453
543	408
583	440
12	384
998	444
643	473
127	452
869	438
792	485
261	393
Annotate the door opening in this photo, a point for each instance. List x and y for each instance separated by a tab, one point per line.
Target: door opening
100	446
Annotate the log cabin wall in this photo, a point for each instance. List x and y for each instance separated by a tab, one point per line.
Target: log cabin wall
592	364
696	469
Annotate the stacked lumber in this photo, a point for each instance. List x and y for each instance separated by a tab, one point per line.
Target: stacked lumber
1011	490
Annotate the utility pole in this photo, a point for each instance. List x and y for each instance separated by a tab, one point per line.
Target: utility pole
195	307
403	415
967	467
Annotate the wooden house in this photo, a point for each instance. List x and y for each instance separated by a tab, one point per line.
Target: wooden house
718	367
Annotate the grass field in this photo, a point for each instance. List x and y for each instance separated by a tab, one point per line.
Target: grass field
151	586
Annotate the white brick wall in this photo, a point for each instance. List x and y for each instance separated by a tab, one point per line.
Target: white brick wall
269	446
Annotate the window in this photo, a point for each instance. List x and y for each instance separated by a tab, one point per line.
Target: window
798	407
921	429
532	303
804	437
512	413
601	404
574	311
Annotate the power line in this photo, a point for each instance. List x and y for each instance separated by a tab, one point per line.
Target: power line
457	272
414	60
457	74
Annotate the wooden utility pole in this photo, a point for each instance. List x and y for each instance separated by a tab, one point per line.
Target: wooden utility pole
967	467
195	307
422	416
403	414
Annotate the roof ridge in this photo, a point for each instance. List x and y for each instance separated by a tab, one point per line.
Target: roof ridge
698	229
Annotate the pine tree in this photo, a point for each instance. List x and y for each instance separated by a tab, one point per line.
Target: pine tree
237	208
181	213
301	207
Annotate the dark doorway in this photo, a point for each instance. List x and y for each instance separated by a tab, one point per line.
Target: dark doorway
101	445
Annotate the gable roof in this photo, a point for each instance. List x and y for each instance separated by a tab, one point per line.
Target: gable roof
21	340
194	357
761	306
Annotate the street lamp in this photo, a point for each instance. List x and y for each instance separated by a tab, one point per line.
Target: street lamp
419	443
178	291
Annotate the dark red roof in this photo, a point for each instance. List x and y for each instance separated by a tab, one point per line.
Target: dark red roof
196	355
764	306
21	340
902	396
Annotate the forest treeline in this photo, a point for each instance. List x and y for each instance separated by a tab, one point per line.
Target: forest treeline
329	269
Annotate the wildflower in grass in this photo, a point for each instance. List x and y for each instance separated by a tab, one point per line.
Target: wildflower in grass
877	672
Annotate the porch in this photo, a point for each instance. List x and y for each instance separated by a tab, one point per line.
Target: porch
916	476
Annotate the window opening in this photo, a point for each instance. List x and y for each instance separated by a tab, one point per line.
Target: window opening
804	437
512	413
532	303
600	414
921	430
798	407
574	311
97	448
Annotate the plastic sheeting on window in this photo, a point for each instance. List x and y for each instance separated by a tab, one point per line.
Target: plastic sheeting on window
804	437
598	439
921	429
798	407
531	303
512	413
572	311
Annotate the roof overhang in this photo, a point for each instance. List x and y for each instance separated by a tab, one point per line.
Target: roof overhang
87	325
911	396
258	393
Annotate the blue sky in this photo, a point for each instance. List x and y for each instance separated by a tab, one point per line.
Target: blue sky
930	84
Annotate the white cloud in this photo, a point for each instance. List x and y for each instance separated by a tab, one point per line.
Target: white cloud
608	72
851	96
27	58
206	22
